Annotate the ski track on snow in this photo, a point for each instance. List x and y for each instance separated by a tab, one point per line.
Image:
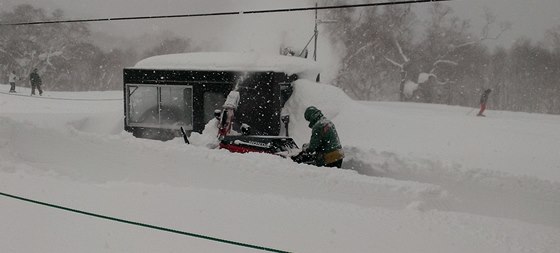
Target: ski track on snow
140	161
76	154
384	180
475	191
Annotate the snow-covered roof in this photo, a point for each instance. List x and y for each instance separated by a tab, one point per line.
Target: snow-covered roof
232	61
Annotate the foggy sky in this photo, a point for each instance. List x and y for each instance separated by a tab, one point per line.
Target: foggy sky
529	18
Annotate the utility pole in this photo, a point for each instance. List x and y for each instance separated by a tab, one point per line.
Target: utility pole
316	33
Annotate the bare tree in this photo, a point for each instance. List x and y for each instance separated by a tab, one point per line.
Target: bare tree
402	69
446	43
367	35
63	53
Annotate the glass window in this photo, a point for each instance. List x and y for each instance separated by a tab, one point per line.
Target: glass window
176	107
142	104
160	106
212	101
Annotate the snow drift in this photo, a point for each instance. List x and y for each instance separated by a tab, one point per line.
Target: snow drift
417	178
232	61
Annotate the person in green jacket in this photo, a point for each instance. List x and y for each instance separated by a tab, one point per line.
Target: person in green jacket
324	145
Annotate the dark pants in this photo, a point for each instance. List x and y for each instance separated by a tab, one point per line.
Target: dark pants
307	158
12	87
337	164
38	86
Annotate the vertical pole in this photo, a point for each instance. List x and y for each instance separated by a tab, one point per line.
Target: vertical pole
316	35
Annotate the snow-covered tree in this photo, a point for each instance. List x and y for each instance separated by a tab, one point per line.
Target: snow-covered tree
63	53
45	47
367	35
449	59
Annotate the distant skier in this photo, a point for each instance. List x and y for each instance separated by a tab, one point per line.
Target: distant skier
483	100
324	147
36	82
12	78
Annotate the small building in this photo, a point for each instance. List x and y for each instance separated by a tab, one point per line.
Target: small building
164	93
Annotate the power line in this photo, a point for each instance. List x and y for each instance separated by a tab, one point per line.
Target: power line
55	98
229	13
246	245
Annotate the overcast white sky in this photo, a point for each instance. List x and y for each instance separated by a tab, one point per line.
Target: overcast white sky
223	32
529	18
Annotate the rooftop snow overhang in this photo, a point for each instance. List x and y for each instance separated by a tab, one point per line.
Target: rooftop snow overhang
232	61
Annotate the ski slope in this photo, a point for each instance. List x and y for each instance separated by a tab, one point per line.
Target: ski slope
417	178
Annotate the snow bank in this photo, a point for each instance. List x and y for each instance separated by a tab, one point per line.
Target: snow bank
420	143
483	192
94	112
285	223
209	136
232	61
416	179
518	143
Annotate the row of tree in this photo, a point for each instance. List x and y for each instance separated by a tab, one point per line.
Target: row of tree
64	53
391	54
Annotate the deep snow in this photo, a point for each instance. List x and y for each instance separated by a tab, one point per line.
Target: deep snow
233	61
417	178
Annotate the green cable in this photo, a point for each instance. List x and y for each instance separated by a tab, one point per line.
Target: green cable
145	225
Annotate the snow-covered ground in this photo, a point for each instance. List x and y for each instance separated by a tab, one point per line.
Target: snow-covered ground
417	178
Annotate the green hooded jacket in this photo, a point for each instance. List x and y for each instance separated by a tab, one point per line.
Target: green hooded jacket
324	138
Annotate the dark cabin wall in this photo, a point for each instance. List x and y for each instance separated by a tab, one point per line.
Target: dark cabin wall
262	93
